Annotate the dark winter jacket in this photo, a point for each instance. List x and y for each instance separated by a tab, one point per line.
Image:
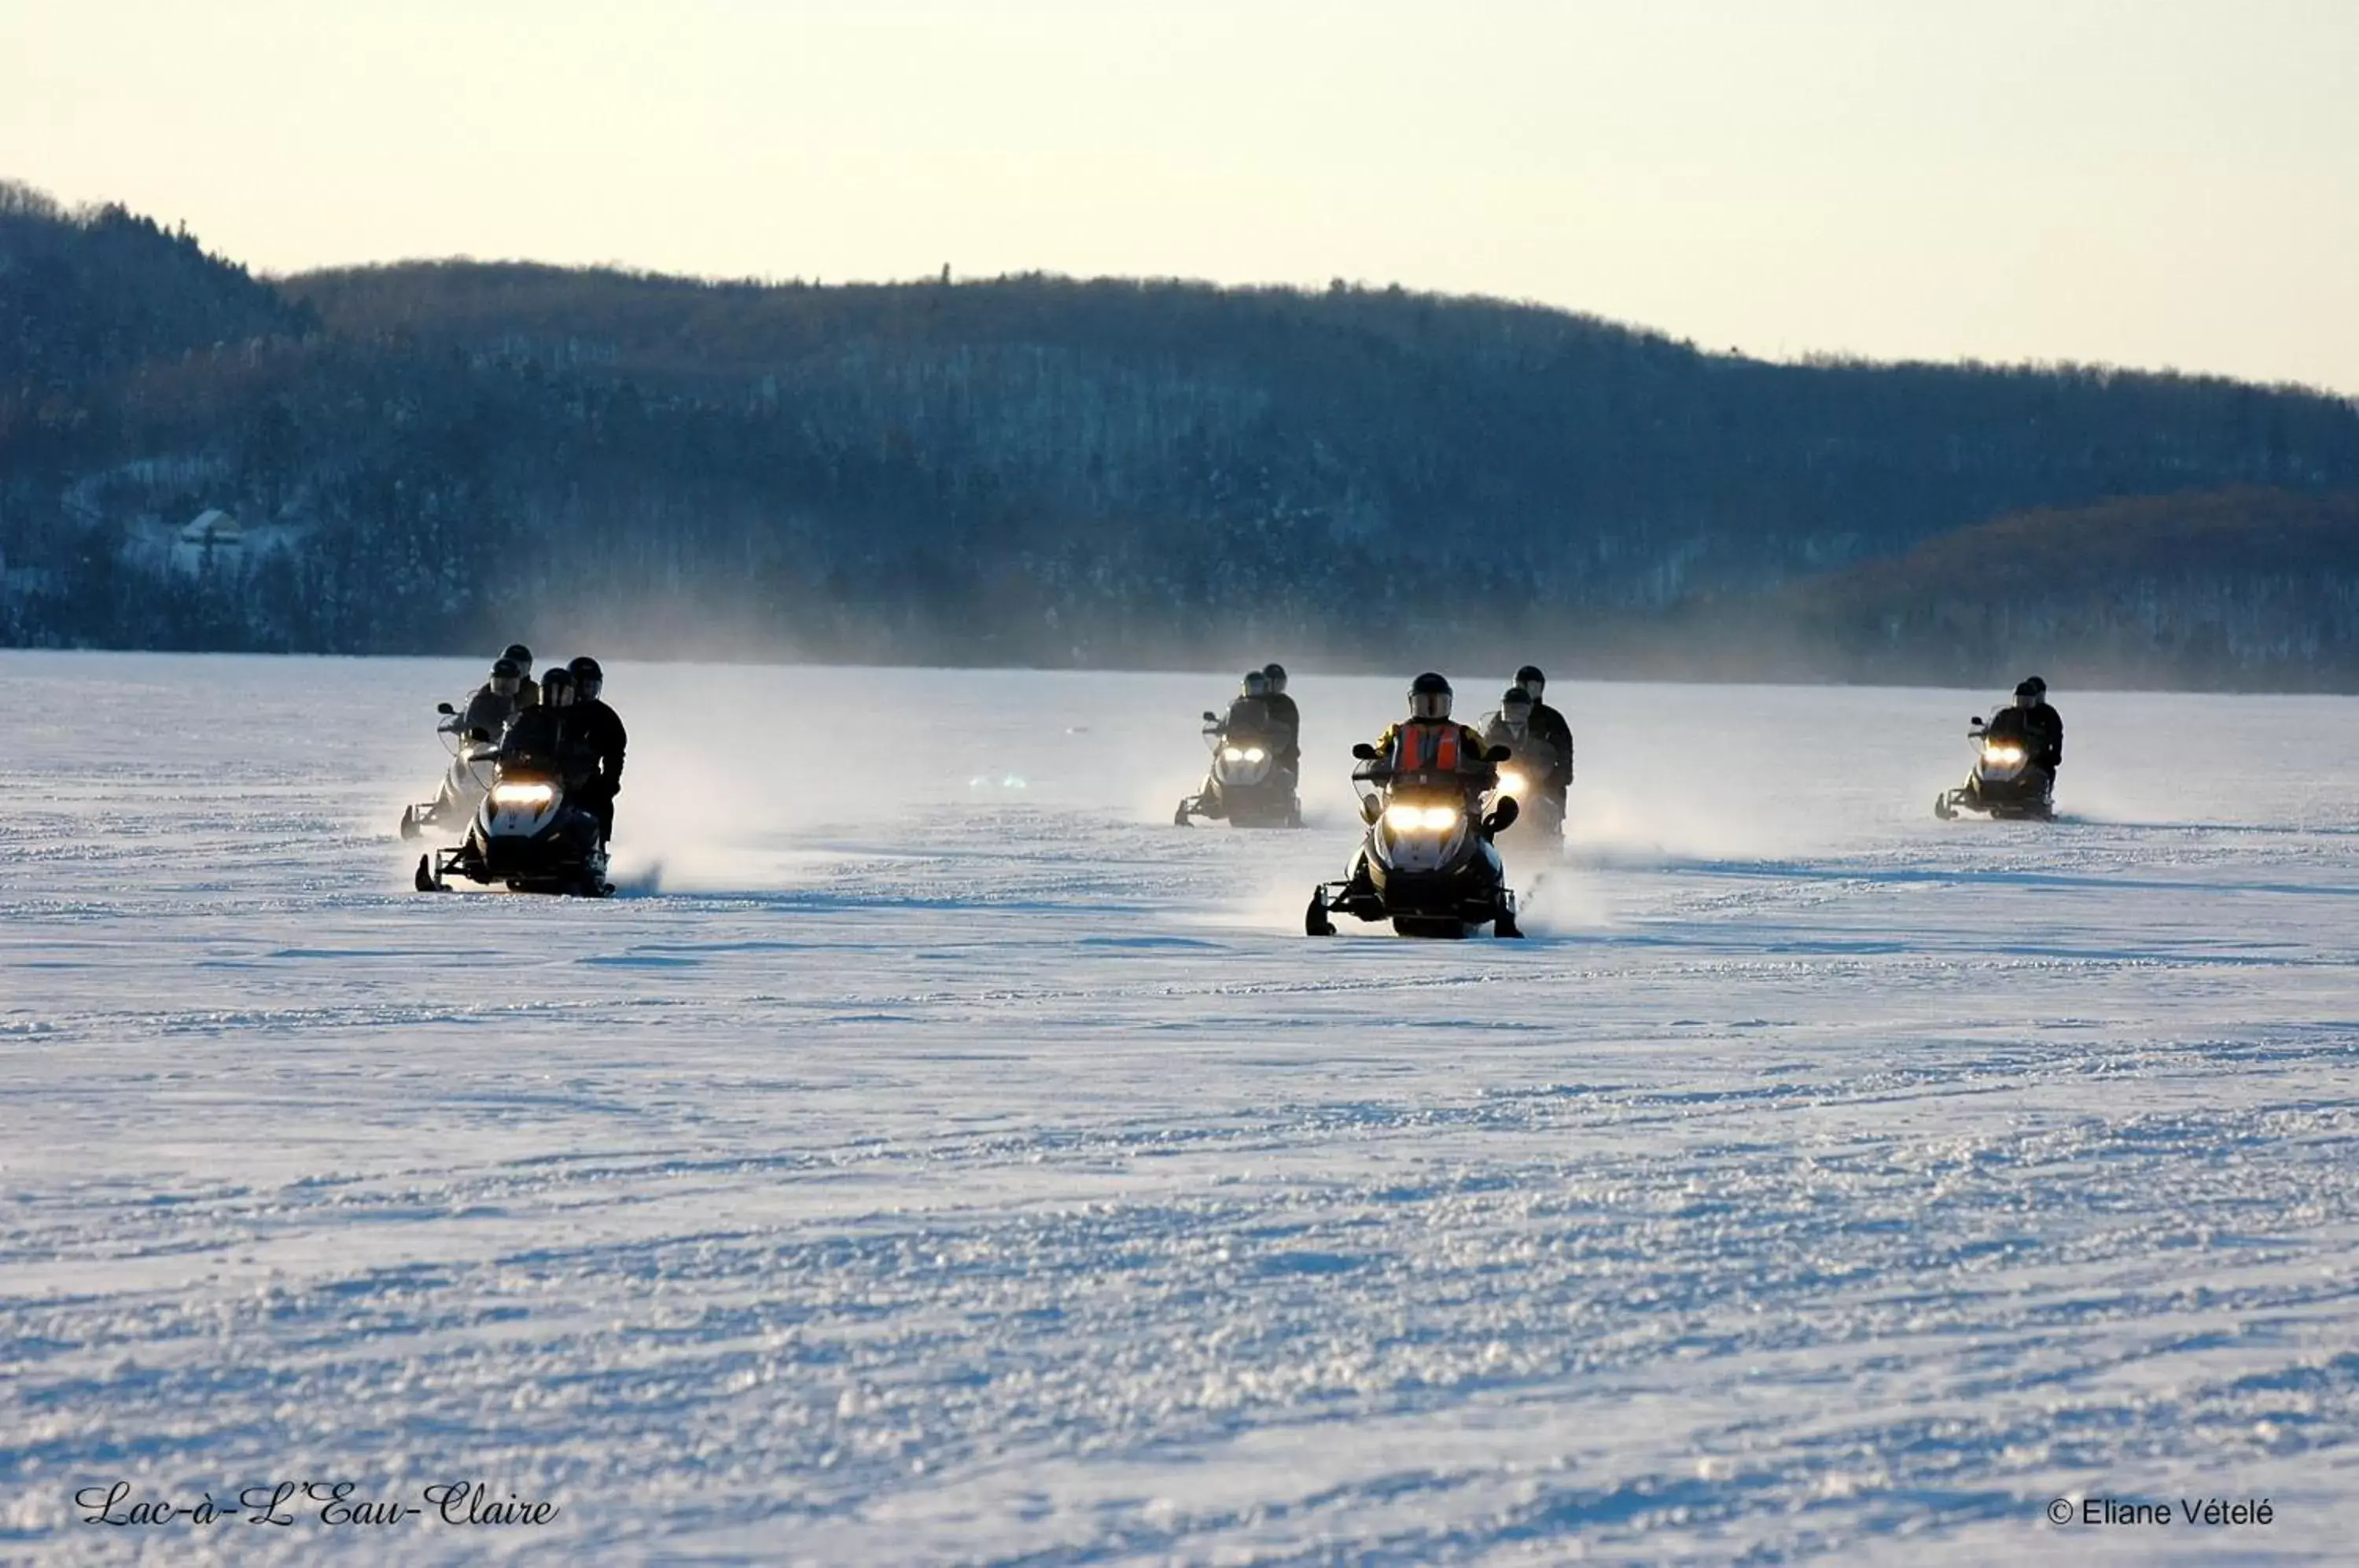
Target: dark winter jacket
1247	716
487	711
601	729
553	738
2047	726
1550	726
1285	727
2039	729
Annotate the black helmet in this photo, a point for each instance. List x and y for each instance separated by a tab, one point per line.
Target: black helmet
556	688
1530	679
1514	697
2038	687
1256	684
505	677
1428	697
1277	673
588	679
523	657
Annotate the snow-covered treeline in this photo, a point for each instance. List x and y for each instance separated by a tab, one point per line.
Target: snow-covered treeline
1022	470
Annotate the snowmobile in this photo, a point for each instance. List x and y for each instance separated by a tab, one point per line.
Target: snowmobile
464	783
1247	785
2004	781
525	834
1428	863
1539	821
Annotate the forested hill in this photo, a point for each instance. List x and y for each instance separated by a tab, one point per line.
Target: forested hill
2257	589
1025	470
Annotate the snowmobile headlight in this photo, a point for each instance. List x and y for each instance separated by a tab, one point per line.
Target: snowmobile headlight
1254	754
1428	819
1512	782
523	795
2008	756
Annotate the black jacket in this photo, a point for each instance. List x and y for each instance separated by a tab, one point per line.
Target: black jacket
1285	725
2040	728
1247	716
1549	726
553	738
2045	727
601	731
487	711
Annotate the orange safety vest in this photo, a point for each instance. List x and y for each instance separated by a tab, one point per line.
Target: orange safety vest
1426	746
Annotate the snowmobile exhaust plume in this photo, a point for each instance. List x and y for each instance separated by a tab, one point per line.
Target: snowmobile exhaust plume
1427	862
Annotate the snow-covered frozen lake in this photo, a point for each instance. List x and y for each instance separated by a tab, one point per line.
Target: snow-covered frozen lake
936	1156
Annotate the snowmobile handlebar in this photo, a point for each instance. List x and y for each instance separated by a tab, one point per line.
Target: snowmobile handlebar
1493	755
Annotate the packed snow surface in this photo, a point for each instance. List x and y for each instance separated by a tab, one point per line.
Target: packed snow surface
934	1156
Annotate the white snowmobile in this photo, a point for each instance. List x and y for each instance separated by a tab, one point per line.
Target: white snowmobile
1428	863
475	756
525	834
1246	786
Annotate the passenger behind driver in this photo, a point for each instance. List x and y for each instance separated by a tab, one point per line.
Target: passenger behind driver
496	701
1549	726
1530	753
1284	723
601	734
528	692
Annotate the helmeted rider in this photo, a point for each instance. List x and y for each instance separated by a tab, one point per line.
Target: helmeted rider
1428	742
601	734
1550	726
549	733
493	704
1249	708
529	690
1285	722
1532	753
2034	725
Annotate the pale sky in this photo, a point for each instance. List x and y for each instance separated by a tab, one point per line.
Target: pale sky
2141	182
